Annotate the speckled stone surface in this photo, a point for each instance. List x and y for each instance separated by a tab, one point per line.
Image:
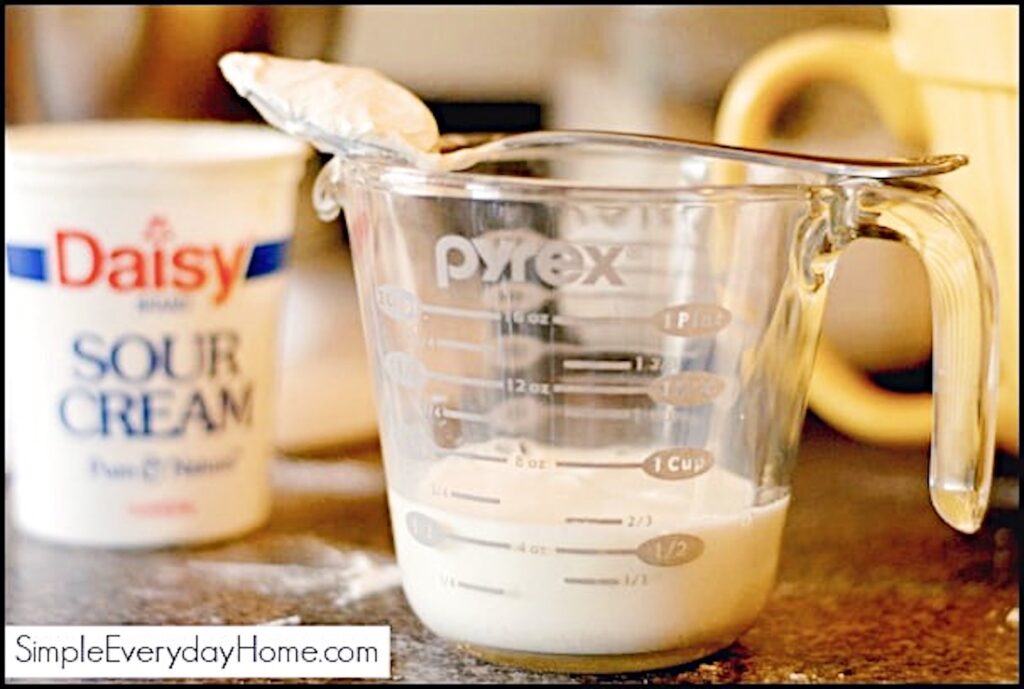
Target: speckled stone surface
872	586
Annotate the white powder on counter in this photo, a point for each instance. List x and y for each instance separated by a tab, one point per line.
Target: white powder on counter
346	477
346	576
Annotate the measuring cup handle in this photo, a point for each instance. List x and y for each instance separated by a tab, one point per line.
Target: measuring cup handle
964	296
840	392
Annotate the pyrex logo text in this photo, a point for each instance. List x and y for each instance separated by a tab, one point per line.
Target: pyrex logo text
555	262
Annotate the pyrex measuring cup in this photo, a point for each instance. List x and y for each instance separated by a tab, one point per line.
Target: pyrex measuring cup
591	363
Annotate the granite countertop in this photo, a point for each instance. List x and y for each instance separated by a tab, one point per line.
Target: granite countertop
872	587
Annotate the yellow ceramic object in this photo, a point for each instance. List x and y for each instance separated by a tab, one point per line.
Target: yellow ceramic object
946	78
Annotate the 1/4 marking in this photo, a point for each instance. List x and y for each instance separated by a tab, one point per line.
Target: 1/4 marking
442	491
449	581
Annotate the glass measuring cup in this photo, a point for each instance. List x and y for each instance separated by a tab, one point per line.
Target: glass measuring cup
591	361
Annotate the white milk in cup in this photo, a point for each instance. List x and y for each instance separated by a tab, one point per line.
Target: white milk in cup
144	275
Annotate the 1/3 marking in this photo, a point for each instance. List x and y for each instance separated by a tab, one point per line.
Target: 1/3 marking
634	580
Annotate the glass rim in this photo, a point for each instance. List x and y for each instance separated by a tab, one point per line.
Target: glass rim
491	187
385	172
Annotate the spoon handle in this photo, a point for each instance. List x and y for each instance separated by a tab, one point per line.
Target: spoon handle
469	155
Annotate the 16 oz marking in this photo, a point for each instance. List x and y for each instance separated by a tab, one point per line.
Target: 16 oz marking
527	317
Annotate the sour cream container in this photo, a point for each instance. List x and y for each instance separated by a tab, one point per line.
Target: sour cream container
144	275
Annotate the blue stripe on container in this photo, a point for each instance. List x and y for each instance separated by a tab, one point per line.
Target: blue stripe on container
26	262
267	258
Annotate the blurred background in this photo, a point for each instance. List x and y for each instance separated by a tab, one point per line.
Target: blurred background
653	69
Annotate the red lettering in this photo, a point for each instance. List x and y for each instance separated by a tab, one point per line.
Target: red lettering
190	275
130	275
227	272
96	257
82	261
158	268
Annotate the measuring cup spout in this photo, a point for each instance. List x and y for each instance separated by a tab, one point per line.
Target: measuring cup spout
327	190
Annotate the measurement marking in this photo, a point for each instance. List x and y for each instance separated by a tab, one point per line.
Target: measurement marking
465	380
600	465
599	389
591	365
481	542
591	520
597	320
604	414
482	589
475	498
479	457
456	312
499	384
658	413
463	346
448	413
591	582
571	412
561	320
616	350
596	551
